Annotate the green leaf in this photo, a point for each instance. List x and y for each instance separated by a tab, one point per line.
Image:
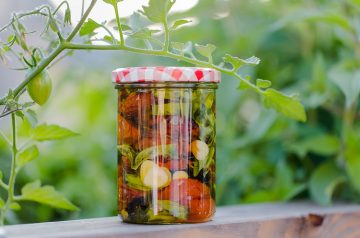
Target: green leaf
289	106
331	18
348	82
127	151
352	158
112	2
263	83
24	129
109	39
182	48
51	132
237	62
134	182
206	50
27	155
173	208
324	181
89	27
31	117
178	46
2	203
157	10
322	144
15	206
284	186
1	175
45	195
125	27
144	34
152	152
179	23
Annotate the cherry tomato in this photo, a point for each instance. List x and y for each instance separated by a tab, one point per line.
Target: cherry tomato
192	194
40	88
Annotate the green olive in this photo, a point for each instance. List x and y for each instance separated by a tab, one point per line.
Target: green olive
40	88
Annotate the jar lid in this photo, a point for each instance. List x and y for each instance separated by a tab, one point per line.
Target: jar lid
165	74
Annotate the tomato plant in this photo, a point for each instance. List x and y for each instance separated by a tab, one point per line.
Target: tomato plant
83	37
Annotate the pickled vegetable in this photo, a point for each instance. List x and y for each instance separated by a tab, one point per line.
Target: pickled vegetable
166	153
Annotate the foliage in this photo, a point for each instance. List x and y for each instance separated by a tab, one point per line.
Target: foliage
309	48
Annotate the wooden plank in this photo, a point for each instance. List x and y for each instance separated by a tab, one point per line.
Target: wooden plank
291	220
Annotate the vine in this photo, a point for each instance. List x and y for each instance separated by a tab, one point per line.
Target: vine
36	62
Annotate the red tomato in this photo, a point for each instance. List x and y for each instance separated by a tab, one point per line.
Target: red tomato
192	194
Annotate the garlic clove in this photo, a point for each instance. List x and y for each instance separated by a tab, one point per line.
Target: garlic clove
199	149
180	175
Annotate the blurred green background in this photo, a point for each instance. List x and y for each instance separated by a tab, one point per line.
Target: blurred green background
308	47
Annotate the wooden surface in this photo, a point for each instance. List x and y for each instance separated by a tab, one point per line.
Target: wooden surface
292	220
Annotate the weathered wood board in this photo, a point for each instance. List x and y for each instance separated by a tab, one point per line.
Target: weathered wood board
289	220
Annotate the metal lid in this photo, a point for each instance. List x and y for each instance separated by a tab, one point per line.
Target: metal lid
165	74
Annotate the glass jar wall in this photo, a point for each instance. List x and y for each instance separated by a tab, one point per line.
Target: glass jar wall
166	152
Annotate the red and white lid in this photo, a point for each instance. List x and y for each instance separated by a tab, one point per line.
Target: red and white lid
160	74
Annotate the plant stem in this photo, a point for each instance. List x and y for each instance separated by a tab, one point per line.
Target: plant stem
11	184
347	124
122	41
81	22
40	67
167	36
37	11
168	54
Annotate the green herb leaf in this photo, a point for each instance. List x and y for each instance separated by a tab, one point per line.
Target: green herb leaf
237	62
206	50
127	151
45	195
51	132
157	10
151	152
27	155
204	164
324	181
89	27
174	208
263	83
179	23
289	106
134	182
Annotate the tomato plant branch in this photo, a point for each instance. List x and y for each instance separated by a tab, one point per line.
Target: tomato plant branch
122	41
81	22
21	15
167	36
162	53
60	5
10	186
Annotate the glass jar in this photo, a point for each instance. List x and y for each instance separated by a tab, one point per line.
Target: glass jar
166	144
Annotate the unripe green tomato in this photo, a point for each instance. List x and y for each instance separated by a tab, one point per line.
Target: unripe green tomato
40	88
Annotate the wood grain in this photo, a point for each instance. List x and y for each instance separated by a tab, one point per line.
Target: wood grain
291	220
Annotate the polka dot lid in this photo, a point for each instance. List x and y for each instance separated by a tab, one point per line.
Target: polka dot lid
165	74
